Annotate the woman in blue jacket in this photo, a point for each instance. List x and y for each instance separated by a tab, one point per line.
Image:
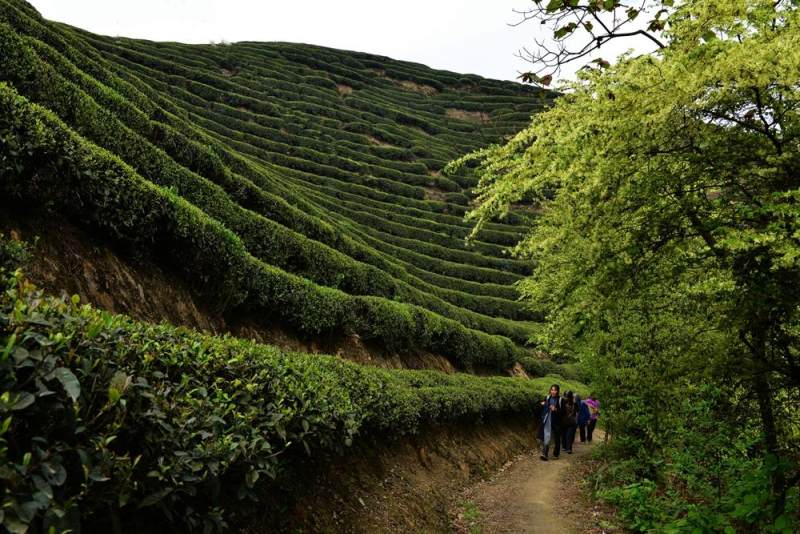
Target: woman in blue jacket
583	417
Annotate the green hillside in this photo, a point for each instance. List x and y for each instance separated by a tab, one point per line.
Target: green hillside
298	185
294	181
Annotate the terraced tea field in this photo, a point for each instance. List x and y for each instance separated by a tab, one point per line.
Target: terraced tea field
288	200
300	182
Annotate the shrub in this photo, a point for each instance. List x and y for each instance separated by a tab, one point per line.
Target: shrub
106	419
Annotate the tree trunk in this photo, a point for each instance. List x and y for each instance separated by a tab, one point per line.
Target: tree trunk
764	396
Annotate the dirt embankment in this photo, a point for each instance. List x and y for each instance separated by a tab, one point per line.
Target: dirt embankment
402	484
68	260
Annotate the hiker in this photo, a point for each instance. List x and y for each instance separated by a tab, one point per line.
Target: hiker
549	429
594	413
569	421
583	417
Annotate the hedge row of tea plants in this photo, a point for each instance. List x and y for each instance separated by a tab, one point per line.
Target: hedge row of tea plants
47	163
263	238
106	420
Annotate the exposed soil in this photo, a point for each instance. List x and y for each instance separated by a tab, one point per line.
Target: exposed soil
433	193
469	116
343	89
528	495
469	88
375	141
68	261
420	88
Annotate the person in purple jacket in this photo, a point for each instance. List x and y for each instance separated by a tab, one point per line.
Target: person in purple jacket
594	413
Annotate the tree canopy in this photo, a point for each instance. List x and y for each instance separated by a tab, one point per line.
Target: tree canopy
667	243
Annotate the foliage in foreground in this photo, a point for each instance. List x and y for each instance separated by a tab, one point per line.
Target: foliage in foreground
105	419
667	259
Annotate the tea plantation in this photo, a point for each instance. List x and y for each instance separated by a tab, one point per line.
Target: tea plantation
291	180
297	183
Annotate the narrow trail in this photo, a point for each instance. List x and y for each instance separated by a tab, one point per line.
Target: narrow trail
531	496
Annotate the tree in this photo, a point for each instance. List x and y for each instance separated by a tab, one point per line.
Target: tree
669	192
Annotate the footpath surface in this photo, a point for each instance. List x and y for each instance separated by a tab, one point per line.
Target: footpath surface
531	496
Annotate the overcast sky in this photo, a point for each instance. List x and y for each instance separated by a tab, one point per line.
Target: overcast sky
467	36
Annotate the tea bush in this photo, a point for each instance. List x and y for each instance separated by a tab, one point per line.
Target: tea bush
105	418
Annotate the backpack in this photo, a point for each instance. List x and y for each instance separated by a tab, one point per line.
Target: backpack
570	411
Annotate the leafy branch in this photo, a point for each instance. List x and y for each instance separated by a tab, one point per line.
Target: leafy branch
581	27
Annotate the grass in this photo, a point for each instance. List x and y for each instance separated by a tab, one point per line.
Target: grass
471	516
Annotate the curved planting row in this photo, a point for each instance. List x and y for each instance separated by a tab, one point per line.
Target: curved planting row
47	163
321	164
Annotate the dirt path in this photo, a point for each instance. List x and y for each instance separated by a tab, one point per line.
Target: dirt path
531	496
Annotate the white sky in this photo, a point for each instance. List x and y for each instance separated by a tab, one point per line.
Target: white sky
466	36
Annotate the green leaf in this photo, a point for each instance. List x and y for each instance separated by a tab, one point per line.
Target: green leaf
42	486
24	400
708	35
14	525
97	475
7	350
69	381
154	498
565	30
6	424
554	6
55	474
119	383
27	510
20	354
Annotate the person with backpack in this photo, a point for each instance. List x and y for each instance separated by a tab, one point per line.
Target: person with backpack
569	421
594	413
583	417
550	422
